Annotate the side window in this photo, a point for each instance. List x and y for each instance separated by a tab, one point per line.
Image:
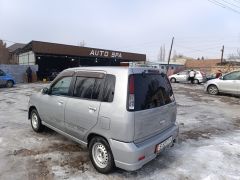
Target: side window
84	87
183	73
232	76
238	76
1	73
92	88
61	87
109	88
97	88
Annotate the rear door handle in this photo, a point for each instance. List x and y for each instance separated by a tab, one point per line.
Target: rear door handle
92	108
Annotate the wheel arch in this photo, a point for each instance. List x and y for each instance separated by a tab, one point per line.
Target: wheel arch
173	78
11	80
30	110
211	85
92	135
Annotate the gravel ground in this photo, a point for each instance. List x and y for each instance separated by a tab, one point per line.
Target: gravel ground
208	148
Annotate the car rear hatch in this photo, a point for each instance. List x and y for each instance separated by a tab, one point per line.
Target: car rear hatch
151	99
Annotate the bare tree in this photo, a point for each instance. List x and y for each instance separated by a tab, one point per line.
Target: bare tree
4	54
234	56
162	52
177	56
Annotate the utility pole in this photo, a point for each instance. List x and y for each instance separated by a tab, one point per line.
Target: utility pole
169	56
222	54
82	44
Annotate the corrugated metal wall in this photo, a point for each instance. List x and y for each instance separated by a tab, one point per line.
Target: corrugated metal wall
18	71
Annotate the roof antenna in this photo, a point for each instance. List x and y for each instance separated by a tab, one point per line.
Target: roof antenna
169	57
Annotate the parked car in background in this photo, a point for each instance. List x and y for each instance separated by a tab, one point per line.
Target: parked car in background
210	77
125	116
52	75
228	83
183	76
6	80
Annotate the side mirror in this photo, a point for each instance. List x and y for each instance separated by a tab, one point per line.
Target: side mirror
221	78
45	90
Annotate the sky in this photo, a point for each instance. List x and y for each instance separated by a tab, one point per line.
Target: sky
200	27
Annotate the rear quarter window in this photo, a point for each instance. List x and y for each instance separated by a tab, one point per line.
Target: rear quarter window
109	88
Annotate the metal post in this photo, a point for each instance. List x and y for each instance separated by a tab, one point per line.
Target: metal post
222	54
169	56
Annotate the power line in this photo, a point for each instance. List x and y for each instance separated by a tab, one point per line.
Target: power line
8	40
224	6
232	4
237	1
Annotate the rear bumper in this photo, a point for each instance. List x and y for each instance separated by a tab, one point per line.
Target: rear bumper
126	155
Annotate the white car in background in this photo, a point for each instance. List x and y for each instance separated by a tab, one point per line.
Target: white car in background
200	77
228	83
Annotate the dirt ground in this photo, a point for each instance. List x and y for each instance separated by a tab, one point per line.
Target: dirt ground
208	148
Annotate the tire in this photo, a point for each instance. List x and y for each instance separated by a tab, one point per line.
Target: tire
9	84
173	80
195	81
101	155
212	89
36	122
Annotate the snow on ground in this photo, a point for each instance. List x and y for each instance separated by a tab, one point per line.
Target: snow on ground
209	142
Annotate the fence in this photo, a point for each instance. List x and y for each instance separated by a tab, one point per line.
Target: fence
19	71
214	69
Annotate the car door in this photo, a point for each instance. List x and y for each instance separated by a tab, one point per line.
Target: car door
2	80
52	106
238	83
229	83
182	76
81	112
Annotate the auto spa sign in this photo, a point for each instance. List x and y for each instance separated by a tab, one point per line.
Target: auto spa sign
104	53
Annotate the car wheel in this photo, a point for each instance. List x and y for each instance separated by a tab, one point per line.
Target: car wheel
212	89
36	122
101	155
196	81
9	84
173	80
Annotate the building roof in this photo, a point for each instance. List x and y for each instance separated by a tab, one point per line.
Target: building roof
15	47
202	63
70	50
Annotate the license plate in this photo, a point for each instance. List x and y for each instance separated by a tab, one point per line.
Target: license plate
163	145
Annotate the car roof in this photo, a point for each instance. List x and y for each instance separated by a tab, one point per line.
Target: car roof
112	69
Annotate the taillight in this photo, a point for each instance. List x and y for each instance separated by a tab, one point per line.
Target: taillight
131	98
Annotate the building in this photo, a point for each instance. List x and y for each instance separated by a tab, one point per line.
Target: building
173	67
52	57
13	51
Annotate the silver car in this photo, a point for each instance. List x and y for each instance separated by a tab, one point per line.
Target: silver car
228	83
125	116
183	76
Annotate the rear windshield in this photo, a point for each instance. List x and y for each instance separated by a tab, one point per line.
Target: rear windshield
151	91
